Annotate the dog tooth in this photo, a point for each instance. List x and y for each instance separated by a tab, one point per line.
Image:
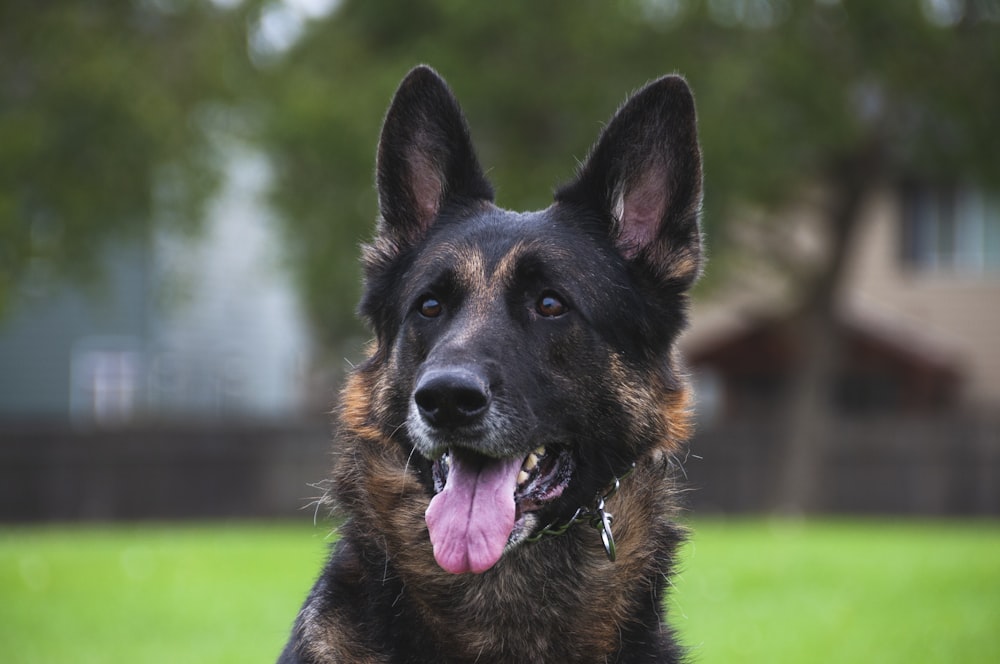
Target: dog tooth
530	462
540	451
522	477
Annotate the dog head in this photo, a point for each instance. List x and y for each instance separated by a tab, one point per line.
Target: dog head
523	360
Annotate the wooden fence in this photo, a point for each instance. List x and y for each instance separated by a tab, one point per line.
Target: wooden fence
936	465
930	466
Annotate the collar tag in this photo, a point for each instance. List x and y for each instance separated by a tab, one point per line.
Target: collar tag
597	516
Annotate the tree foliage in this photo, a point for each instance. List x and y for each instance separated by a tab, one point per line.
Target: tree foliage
104	107
102	120
791	93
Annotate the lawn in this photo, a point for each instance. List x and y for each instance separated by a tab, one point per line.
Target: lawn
153	594
750	591
841	591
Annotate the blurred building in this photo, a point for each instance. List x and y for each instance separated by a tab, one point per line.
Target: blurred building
910	425
918	317
200	326
927	263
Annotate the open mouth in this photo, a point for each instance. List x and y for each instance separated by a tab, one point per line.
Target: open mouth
481	503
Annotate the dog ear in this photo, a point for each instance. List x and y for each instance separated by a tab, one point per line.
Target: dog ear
425	158
643	176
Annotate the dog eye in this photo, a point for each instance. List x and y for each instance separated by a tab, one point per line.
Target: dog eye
550	306
429	307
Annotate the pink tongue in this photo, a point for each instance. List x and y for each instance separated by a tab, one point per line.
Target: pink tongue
472	517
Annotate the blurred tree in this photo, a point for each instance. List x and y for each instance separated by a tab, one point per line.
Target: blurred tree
792	93
795	97
105	108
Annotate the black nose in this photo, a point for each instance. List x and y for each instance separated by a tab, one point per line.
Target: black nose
449	398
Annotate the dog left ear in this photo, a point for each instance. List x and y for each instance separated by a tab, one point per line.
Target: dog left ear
644	177
425	158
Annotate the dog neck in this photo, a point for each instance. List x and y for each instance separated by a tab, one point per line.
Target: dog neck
595	514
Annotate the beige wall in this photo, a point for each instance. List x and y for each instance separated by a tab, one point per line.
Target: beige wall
957	315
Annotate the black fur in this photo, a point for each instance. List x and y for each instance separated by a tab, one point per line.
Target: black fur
498	332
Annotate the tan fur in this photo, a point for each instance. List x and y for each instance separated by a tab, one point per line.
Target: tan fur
333	638
591	385
462	610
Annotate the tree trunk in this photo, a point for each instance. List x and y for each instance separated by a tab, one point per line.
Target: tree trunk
807	411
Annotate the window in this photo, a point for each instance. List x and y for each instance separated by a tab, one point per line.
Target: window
952	229
105	380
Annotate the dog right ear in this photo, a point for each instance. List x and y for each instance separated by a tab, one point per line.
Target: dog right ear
425	159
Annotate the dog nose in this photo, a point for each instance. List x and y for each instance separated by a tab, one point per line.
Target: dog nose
450	398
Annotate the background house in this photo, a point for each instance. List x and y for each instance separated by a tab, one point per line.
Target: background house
202	326
105	106
180	387
927	263
918	310
912	424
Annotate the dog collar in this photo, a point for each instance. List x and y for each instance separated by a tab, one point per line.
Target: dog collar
595	514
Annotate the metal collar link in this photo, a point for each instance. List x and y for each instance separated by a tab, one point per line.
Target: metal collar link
597	516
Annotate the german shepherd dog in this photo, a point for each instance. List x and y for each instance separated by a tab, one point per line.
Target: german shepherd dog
522	386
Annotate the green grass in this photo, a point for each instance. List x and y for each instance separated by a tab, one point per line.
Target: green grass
151	594
850	591
751	591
